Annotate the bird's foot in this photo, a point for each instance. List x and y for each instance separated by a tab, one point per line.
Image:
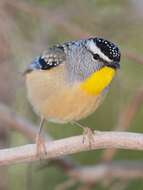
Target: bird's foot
40	147
88	136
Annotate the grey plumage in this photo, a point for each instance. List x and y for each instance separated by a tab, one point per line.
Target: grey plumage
79	61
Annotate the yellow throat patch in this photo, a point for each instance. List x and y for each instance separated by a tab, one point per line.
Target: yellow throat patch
98	81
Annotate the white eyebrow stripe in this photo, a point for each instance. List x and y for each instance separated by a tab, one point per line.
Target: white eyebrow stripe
92	47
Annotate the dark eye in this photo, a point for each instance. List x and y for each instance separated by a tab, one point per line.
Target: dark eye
96	56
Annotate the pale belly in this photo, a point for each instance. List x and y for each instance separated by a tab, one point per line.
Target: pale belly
58	102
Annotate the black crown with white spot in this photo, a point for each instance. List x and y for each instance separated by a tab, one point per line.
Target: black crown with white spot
108	48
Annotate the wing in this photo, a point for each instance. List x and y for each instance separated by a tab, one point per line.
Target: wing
49	59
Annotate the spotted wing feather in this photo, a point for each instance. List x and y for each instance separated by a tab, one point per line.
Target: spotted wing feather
52	58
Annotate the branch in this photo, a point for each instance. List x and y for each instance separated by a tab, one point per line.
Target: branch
76	172
123	169
27	153
117	169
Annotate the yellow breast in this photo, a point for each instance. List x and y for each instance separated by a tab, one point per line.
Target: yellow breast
98	81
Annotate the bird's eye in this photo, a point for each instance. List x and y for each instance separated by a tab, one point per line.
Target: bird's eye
96	56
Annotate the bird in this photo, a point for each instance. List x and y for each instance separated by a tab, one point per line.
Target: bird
68	81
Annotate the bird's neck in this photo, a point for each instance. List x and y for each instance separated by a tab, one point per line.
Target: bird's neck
98	81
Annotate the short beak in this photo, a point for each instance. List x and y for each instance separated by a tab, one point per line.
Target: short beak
32	66
114	65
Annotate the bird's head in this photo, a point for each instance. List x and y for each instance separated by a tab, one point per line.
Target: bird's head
104	51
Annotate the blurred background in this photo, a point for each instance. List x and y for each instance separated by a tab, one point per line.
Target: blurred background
27	27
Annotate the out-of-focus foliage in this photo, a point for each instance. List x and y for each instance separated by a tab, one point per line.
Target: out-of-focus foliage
27	28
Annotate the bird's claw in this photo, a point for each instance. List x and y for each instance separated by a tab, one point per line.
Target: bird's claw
40	147
88	134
